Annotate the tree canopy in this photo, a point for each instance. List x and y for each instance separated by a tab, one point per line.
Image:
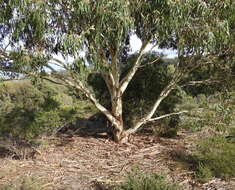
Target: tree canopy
96	34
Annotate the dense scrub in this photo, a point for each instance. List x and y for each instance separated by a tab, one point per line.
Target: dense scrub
215	158
214	112
27	111
214	122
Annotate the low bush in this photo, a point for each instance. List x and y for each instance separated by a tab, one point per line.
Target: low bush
211	157
27	111
215	158
140	181
213	112
214	153
204	173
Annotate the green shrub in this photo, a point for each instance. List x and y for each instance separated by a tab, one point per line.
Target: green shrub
215	157
215	151
19	94
204	173
16	124
27	111
141	181
212	157
214	112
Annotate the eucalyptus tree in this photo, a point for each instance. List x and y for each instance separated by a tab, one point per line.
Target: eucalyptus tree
96	35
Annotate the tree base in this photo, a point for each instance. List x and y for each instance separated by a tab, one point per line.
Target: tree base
120	137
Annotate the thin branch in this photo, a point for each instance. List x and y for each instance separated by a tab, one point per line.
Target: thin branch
165	92
58	63
8	69
3	54
153	47
166	115
192	83
53	81
150	63
50	67
126	80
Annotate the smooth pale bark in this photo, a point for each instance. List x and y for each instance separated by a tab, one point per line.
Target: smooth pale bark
116	89
151	112
167	115
81	87
126	80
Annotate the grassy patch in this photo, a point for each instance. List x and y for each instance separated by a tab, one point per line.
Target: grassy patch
140	181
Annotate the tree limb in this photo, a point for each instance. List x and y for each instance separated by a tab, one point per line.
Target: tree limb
78	85
192	83
150	63
166	115
165	92
53	81
126	80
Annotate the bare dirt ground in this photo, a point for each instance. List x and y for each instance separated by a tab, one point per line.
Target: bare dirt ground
88	163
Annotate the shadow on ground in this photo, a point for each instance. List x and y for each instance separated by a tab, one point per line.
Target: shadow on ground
95	126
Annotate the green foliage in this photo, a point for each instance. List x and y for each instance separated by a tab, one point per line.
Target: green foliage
215	72
214	112
215	157
140	181
103	28
27	111
204	173
145	88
